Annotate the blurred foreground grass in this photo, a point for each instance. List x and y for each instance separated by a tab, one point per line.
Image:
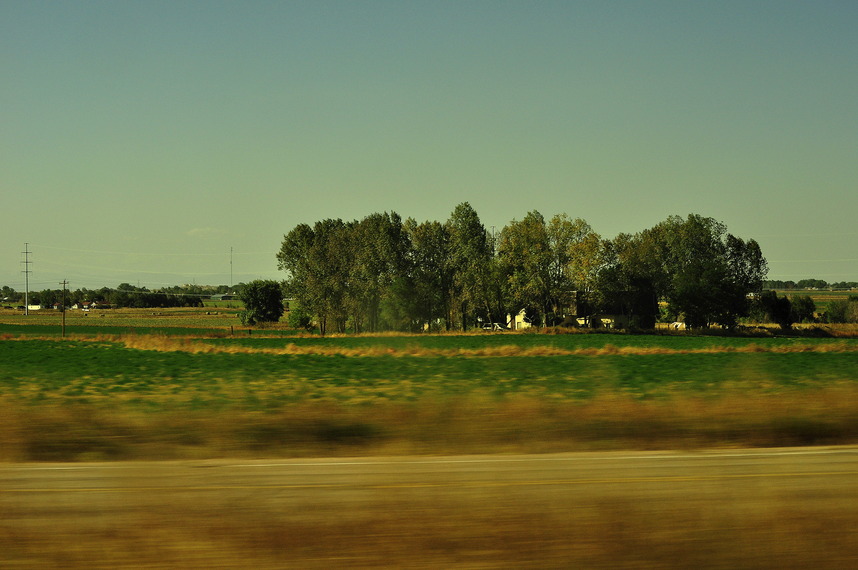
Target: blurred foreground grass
154	397
612	511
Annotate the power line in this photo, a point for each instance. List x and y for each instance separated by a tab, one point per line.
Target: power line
158	254
812	260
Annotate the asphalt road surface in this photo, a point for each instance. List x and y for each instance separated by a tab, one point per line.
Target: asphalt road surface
82	515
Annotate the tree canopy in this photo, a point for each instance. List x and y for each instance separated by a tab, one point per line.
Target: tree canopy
382	273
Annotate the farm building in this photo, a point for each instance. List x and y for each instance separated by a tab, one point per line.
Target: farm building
223	297
518	322
603	321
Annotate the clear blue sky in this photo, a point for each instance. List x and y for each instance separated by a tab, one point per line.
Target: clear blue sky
140	141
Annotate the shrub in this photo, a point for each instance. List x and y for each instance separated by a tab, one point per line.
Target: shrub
776	309
263	302
298	319
843	311
802	309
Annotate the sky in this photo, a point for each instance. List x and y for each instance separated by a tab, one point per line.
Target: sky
161	143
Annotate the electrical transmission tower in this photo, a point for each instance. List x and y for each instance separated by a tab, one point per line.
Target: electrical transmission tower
63	305
27	272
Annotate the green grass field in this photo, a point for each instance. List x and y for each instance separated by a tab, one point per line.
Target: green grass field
181	384
44	370
120	321
821	298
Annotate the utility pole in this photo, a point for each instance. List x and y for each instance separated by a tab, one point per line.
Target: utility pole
27	272
230	269
63	305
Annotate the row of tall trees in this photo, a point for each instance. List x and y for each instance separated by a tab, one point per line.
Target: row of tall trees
127	295
124	295
809	284
385	273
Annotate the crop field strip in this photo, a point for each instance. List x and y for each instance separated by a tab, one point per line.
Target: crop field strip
416	349
159	368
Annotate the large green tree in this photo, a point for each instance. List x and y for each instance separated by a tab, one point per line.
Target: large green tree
423	287
318	263
632	278
711	273
745	270
526	259
379	248
471	255
578	257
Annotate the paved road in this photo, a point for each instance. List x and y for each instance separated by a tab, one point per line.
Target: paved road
732	491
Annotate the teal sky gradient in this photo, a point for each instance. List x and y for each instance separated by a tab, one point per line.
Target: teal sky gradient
140	141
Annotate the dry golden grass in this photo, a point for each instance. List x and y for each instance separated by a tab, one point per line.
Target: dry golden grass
173	344
718	524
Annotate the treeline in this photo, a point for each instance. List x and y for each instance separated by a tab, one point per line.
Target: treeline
786	310
809	284
383	273
124	295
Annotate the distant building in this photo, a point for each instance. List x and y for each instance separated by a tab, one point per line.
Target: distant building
518	321
604	321
223	297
